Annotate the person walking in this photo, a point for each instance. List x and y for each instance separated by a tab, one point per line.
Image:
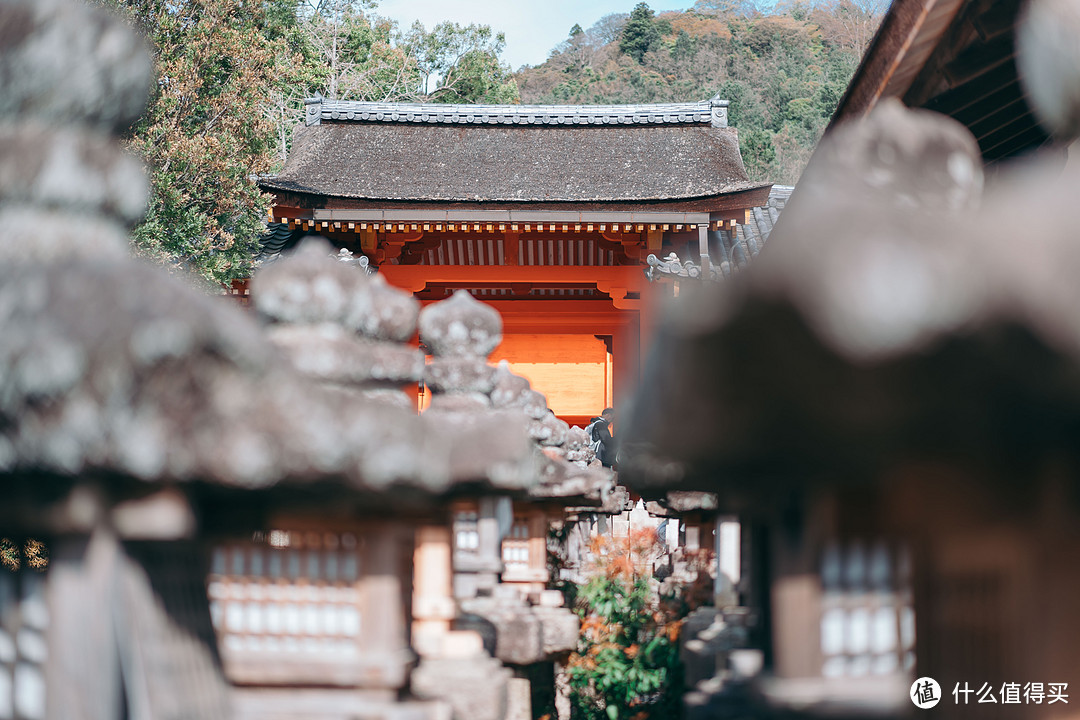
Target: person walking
600	432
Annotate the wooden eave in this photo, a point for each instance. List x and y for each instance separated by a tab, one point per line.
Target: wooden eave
956	57
726	206
908	35
972	77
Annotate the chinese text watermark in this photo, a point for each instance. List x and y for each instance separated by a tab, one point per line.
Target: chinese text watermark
925	693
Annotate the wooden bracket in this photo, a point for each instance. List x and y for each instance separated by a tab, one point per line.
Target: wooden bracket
393	244
654	240
369	241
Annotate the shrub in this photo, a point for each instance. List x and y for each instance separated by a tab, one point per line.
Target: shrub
627	662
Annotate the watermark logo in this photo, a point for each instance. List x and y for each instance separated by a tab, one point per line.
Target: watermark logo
1013	693
925	693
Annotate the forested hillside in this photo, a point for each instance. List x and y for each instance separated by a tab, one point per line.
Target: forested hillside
783	70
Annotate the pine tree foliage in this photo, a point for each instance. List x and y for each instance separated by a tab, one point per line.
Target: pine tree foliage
641	32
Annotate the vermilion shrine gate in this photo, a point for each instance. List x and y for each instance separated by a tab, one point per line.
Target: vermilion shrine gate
545	212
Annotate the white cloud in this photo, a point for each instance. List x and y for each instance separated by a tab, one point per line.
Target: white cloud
532	28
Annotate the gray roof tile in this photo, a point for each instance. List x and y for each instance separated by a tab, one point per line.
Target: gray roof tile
705	112
728	254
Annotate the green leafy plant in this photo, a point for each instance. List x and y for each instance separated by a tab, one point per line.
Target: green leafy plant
627	662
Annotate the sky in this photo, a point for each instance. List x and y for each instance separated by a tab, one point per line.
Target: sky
532	27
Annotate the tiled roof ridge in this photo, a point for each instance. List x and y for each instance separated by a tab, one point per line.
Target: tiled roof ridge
705	112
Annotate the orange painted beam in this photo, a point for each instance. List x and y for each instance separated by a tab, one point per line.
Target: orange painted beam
615	281
417	277
563	306
284	213
555	325
597	317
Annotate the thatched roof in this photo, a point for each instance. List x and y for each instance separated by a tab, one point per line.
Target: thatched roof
614	158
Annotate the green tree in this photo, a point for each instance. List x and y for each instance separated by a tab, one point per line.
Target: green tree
232	77
355	53
683	47
460	63
640	34
205	133
758	152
